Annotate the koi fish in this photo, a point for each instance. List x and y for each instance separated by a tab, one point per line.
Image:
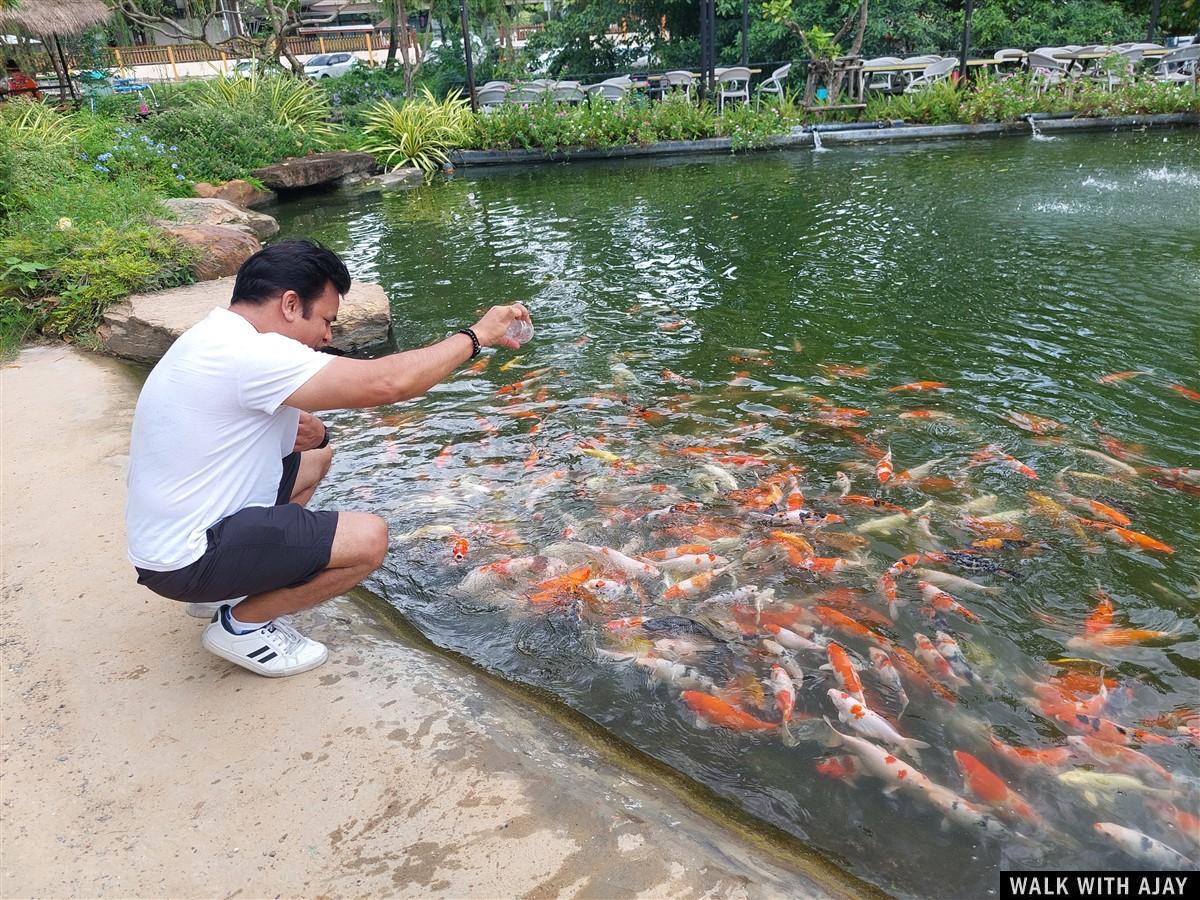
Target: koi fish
1101	511
872	725
874	503
715	711
1132	538
672	326
1114	377
532	459
790	639
838	370
1185	391
937	664
886	670
916	672
1184	823
1142	846
926	414
895	772
691	588
903	564
1119	757
845	671
953	582
443	456
963	812
676	552
1049	758
1115	464
917	386
674	673
943	602
949	650
1031	423
478	367
459	548
626	565
839	621
794	540
840	767
990	788
826	565
883	468
887	587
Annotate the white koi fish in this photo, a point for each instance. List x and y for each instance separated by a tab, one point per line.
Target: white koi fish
872	725
1135	843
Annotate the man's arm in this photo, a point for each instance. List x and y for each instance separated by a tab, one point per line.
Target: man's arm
359	383
309	434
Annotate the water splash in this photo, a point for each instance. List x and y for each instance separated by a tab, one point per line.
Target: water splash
1172	176
817	146
1037	132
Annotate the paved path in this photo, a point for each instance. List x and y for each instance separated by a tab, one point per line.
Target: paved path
134	763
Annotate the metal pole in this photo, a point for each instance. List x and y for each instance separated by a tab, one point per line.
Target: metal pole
1153	20
703	91
712	43
966	42
466	30
745	32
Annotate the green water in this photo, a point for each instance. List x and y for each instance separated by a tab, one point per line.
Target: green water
1017	272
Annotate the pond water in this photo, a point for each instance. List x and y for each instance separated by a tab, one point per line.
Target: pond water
711	329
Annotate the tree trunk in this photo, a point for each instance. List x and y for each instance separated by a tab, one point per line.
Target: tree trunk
393	33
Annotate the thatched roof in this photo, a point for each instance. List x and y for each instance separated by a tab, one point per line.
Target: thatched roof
43	17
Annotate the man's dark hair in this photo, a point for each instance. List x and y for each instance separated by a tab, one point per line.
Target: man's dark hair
303	266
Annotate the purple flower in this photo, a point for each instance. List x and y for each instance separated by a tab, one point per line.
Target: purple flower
99	168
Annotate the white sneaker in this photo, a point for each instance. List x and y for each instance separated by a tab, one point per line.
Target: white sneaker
208	610
275	650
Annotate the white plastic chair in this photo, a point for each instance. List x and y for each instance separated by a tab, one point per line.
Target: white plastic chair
922	61
679	79
491	97
733	83
774	84
526	93
1180	66
1046	70
568	92
933	73
882	81
612	91
1111	78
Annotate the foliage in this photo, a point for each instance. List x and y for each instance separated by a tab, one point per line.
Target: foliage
37	123
417	132
295	104
73	238
217	144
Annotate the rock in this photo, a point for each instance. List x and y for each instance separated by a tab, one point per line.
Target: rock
211	211
397	179
144	326
315	169
238	192
221	249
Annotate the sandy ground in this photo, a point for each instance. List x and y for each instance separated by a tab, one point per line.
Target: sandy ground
137	764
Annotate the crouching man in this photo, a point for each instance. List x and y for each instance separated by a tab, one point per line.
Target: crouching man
225	454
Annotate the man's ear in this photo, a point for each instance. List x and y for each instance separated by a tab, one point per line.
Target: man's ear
291	306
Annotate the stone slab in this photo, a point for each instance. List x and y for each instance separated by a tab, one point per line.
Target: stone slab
315	170
215	211
143	327
238	192
220	249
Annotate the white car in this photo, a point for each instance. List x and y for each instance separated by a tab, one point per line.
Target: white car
330	65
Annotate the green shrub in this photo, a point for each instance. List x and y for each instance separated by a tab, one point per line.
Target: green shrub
295	104
417	132
218	144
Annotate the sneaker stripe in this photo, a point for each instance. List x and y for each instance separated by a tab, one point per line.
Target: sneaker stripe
263	649
268	657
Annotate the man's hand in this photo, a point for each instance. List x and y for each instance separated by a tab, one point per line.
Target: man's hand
490	329
310	433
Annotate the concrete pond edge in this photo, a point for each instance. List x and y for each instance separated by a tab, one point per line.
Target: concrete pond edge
787	850
803	137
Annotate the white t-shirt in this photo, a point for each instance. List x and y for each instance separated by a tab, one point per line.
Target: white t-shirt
209	435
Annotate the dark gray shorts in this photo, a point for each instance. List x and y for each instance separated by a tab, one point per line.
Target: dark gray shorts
257	549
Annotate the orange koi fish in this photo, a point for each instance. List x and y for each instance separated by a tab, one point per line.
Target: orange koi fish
784	690
459	548
672	326
887	587
943	602
903	564
844	669
917	386
1132	538
839	621
838	370
937	665
824	565
716	711
674	552
883	468
990	788
1121	758
1053	758
443	456
1114	377
1101	617
796	541
1186	391
916	673
1101	511
532	459
1031	423
479	365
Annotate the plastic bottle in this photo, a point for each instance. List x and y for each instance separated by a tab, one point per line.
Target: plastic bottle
519	331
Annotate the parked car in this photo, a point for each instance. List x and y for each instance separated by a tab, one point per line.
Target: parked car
330	65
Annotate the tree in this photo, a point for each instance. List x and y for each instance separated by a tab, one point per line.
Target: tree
279	20
822	48
413	52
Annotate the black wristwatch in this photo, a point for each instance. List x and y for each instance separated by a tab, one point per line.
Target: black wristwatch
324	440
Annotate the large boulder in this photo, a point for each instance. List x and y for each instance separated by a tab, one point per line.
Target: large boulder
212	211
220	249
315	169
144	326
238	192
